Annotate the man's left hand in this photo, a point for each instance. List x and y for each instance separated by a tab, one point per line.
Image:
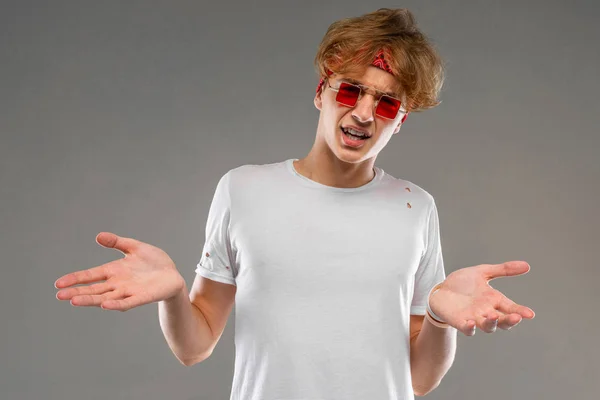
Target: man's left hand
465	300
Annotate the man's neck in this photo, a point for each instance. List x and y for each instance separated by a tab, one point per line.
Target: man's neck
331	171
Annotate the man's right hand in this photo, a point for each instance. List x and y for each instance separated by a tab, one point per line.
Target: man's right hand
146	274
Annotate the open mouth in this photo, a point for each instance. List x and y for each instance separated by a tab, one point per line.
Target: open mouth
354	135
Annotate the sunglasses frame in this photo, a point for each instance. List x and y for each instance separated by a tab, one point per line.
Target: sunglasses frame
377	94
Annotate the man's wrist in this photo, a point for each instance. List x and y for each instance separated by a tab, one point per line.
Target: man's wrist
433	322
435	319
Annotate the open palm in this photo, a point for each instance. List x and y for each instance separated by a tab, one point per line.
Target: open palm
466	300
146	274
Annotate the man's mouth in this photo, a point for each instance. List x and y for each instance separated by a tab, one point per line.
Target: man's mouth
354	134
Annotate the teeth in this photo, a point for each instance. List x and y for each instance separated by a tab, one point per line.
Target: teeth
355	137
355	132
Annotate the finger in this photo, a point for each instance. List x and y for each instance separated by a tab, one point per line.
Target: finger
95	300
511	268
503	320
488	322
97	289
509	321
112	241
99	273
507	306
122	304
468	328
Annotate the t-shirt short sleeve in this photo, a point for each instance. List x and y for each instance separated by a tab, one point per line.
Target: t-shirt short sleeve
431	267
217	261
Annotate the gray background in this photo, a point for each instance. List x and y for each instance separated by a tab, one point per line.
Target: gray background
122	117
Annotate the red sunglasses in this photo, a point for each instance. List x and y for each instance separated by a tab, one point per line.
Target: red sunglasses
385	106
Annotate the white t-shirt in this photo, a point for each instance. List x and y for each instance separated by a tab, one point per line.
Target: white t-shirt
326	281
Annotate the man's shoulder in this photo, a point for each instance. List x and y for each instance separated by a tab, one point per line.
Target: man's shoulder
406	186
246	171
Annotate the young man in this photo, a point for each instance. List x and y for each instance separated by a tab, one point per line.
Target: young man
335	267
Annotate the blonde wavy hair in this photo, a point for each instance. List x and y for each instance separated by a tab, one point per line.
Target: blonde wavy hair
350	45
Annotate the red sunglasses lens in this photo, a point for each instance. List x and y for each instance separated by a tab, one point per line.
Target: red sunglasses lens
388	107
347	94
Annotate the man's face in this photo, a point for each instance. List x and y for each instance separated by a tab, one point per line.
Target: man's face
335	117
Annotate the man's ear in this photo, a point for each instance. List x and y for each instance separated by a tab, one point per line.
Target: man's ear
318	102
400	123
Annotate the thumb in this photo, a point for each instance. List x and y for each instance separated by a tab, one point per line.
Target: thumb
123	244
510	268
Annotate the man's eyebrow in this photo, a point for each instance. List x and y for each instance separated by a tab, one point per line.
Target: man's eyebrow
356	82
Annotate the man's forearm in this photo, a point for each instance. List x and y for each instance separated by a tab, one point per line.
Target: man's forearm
185	328
432	354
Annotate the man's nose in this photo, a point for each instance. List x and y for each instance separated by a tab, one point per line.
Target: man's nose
364	109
